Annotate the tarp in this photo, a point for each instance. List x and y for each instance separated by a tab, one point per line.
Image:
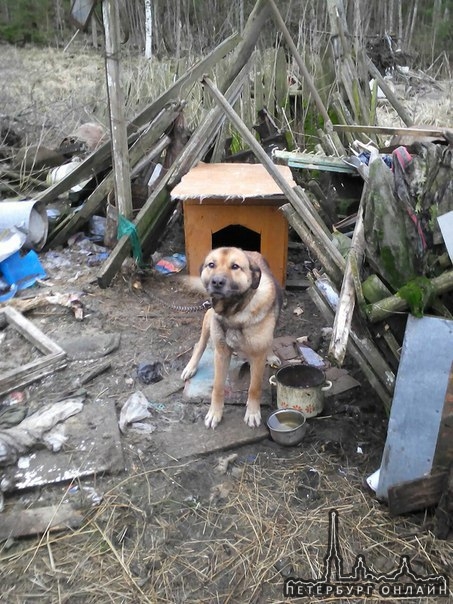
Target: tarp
401	229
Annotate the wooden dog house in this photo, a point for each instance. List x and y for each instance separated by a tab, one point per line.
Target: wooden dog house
234	205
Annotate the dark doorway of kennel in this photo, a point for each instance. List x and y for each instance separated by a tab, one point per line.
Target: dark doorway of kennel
236	235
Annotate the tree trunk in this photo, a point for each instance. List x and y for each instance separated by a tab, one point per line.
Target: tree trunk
148	29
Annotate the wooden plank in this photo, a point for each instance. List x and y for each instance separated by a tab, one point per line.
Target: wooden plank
360	346
31	332
26	374
387	306
181	86
390	95
19	523
443	519
300	63
231	433
415	131
310	161
346	301
30	372
416	494
93	446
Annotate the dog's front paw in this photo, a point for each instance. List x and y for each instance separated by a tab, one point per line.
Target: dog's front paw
252	418
188	372
213	417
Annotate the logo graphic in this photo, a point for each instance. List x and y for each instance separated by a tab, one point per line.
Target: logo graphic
402	582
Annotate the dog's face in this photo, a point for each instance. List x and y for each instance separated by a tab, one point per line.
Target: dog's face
228	272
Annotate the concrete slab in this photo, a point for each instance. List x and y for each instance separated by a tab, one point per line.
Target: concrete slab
199	387
93	446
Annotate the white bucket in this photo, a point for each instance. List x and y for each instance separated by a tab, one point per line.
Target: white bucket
28	216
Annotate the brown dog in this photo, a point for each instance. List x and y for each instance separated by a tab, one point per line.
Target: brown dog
246	302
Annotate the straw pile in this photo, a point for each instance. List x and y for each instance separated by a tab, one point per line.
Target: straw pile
186	534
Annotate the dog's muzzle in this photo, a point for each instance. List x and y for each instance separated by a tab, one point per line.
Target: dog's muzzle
217	285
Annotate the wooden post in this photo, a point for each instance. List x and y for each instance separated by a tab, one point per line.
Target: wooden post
346	301
120	152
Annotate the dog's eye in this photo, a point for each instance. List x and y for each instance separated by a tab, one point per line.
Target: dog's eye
235	267
211	265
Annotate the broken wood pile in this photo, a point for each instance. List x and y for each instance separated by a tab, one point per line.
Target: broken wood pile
394	259
158	131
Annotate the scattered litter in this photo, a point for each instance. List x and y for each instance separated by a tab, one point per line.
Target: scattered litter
284	567
134	410
143	428
149	373
22	271
171	264
11	240
221	491
341	380
298	311
310	357
15	441
223	463
285	347
11	416
97	259
97	228
93	495
28	216
55	438
308	486
373	480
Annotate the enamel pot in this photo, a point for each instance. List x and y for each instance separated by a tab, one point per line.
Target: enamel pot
301	387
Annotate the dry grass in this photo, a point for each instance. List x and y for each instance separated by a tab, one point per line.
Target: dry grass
156	539
50	92
428	103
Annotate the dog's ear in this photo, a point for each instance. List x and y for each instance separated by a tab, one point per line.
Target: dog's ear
256	275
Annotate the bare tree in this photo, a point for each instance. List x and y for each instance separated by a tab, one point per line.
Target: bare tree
148	29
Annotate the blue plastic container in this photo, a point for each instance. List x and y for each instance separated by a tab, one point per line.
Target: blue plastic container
22	271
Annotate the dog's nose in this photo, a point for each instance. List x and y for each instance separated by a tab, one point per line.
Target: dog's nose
217	282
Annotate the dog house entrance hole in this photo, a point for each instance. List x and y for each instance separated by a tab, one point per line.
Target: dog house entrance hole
236	235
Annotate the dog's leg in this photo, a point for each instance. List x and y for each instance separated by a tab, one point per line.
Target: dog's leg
253	413
222	357
192	366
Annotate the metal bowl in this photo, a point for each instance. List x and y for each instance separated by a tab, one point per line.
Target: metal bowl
287	426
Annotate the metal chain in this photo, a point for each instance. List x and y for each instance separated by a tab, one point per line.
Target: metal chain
193	308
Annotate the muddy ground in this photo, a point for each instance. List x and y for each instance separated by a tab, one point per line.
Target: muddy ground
163	523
